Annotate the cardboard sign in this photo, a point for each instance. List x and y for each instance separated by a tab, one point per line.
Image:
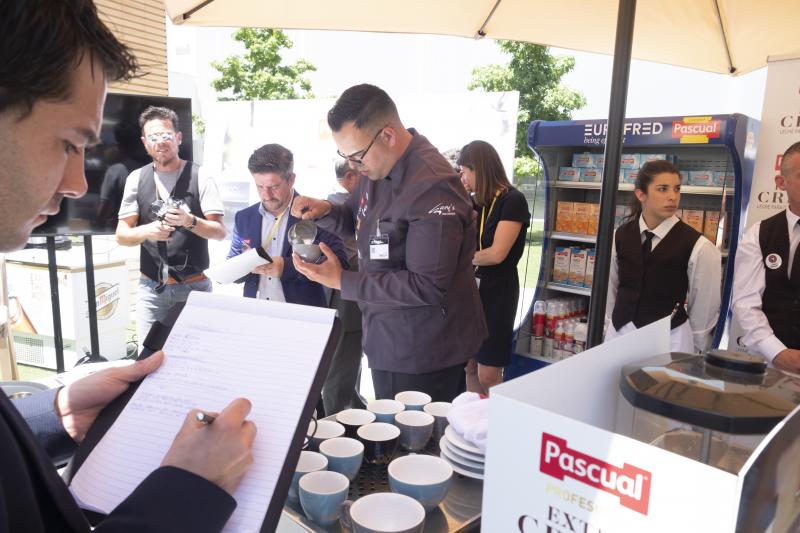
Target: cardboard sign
556	463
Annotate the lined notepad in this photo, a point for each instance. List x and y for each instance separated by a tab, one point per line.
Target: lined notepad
221	348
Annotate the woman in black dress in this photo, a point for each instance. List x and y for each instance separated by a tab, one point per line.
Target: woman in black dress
503	219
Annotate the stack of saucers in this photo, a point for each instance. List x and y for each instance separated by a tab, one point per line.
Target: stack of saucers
465	458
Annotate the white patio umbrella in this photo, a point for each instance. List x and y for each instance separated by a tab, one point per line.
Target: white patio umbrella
724	36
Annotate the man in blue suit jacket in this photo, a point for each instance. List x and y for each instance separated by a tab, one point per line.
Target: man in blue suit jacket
269	221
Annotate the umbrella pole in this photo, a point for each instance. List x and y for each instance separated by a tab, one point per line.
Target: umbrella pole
608	194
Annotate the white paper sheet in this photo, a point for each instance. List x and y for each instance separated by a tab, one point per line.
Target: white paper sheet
221	348
236	267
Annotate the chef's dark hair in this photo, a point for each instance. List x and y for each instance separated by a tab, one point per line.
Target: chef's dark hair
645	177
366	106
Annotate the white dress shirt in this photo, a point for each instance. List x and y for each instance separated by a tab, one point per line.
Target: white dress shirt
748	288
270	287
704	271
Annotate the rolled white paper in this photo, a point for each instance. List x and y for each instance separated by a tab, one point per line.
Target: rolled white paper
235	267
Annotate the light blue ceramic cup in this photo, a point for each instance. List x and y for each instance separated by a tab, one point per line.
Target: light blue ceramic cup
439	411
344	455
385	410
322	430
413	400
416	428
322	494
423	477
308	462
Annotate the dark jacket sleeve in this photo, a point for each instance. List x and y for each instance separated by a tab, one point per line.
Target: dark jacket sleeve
39	412
336	244
237	243
342	218
171	500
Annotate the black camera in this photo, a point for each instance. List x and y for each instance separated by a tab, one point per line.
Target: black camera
160	208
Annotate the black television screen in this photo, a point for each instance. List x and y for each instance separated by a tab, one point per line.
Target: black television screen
107	165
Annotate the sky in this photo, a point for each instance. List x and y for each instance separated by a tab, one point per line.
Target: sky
416	65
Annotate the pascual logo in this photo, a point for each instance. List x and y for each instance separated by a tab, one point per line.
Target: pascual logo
629	483
106	298
696	129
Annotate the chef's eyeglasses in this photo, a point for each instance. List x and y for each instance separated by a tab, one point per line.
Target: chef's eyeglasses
358	157
160	137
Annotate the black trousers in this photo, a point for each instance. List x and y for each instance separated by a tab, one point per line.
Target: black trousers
442	385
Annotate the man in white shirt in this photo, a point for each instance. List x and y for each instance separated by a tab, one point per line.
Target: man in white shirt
766	287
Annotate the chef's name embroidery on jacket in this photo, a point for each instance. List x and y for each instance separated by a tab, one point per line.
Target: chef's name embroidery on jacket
443	209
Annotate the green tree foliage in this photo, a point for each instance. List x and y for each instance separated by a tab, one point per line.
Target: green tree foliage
258	73
536	74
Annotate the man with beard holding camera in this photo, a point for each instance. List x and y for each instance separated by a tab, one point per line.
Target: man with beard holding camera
171	208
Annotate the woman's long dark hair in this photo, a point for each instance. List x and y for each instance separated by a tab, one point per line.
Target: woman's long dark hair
649	170
490	176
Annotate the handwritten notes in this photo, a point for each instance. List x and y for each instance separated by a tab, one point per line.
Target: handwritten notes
221	348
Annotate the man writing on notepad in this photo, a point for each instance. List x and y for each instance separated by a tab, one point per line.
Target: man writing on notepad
55	61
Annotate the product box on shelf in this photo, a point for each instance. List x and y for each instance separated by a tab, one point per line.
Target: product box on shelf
594	217
590	254
584	160
694	218
569	174
561	260
630	161
627	175
592	175
701	178
582	216
711	225
559	459
684	177
565	216
724	179
577	266
646	158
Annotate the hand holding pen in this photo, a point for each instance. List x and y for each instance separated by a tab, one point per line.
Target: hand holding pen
220	452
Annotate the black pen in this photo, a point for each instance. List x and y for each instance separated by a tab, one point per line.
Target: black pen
204	418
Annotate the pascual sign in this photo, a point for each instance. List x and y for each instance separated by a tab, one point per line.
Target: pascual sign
628	483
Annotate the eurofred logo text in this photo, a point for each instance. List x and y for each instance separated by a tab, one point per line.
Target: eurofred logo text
629	483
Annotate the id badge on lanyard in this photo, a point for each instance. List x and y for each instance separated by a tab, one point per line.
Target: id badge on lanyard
378	245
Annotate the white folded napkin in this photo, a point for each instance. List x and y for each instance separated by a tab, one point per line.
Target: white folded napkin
469	417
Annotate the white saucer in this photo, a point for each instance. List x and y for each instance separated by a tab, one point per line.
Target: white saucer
461	469
450	454
455	439
459	453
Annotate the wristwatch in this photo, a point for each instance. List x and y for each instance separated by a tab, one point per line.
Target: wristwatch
191	226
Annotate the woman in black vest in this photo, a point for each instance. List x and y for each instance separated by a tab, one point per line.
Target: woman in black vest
503	219
661	266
